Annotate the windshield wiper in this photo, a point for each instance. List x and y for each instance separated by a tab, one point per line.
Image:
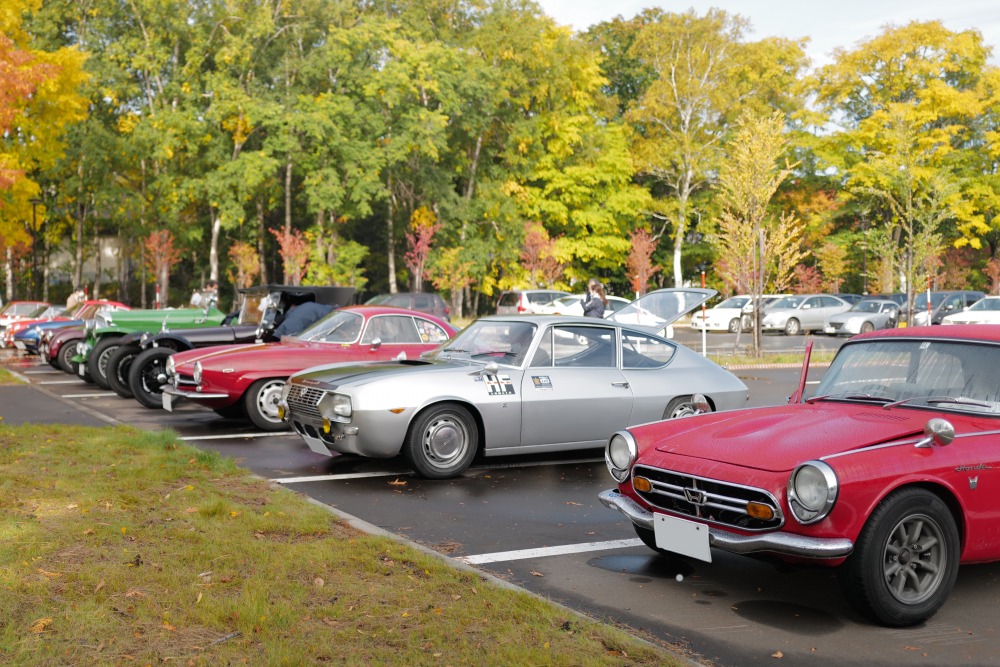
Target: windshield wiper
934	400
850	397
495	353
453	349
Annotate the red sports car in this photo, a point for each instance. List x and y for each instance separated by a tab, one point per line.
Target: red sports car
245	381
890	472
20	310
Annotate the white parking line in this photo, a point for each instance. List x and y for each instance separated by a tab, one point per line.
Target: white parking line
346	475
49	370
238	435
95	395
501	556
60	382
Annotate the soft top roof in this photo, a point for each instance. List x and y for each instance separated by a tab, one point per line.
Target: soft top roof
327	294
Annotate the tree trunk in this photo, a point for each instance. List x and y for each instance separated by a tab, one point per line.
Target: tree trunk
391	241
97	265
8	270
213	250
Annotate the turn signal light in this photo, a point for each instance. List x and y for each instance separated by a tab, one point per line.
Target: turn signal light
760	511
326	426
281	412
642	484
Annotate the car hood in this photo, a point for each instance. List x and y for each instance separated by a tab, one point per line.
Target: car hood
341	375
781	437
226	354
168	315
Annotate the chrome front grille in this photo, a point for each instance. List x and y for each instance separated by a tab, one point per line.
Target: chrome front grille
303	400
710	500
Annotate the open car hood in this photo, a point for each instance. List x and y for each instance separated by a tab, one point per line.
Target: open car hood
656	310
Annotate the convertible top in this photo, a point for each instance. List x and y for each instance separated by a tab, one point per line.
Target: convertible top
295	294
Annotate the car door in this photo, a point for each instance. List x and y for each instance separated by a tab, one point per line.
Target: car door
573	392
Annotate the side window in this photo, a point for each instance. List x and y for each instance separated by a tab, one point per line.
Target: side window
539	297
422	302
640	350
391	329
583	346
543	355
430	332
399	300
953	302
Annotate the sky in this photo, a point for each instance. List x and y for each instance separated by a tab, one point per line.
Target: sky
841	23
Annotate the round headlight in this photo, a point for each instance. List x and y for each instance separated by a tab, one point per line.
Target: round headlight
197	372
170	367
336	407
89	325
812	491
620	454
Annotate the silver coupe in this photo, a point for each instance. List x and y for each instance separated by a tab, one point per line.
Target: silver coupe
513	385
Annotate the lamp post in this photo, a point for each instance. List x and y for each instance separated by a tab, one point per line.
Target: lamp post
34	246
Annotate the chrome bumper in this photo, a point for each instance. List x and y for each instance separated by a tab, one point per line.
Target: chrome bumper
193	395
781	543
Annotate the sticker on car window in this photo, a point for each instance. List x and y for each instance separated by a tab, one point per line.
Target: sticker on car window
499	385
541	381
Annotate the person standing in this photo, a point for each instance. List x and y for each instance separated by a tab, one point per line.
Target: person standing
596	300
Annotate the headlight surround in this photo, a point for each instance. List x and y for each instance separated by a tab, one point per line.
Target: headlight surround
171	367
812	491
619	455
336	407
285	390
197	372
89	325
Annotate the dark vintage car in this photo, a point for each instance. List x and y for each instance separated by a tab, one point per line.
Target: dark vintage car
889	473
136	368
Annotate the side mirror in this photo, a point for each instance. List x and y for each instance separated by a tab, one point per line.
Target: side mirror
938	432
376	343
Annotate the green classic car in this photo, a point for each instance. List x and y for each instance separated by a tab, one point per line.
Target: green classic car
103	334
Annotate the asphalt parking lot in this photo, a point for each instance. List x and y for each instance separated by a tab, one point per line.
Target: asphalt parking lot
536	522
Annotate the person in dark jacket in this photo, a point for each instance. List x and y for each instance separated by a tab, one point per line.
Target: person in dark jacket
595	301
301	316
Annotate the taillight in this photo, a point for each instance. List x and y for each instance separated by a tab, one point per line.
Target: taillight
521	298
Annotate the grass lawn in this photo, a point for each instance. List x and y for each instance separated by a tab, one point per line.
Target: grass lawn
119	546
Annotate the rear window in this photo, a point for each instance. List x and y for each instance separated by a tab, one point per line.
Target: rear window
541	297
508	299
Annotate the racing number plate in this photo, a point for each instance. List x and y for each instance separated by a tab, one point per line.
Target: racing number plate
682	537
168	402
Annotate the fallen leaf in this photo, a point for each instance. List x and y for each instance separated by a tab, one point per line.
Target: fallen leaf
199	598
191	510
168	627
570	502
50	575
911	648
234	514
536	574
135	593
89	531
72	506
777	654
99	586
318	582
40	625
398	482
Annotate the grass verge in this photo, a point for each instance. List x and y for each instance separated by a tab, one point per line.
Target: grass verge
119	546
6	378
743	359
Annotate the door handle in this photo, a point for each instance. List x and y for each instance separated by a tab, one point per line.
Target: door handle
620	384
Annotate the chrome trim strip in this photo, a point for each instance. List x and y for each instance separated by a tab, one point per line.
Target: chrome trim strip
194	395
782	543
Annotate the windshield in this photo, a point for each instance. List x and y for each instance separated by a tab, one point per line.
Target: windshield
660	308
912	370
866	307
340	326
986	304
734	302
253	307
502	341
568	300
920	301
787	302
51	311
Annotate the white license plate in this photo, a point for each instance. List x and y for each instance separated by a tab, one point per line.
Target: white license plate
168	402
19	344
682	537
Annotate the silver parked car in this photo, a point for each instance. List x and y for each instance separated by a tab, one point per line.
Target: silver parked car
802	313
513	385
864	316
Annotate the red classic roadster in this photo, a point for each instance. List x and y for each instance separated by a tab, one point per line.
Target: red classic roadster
890	472
245	381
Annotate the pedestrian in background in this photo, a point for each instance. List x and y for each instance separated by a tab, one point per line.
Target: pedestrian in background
595	301
202	298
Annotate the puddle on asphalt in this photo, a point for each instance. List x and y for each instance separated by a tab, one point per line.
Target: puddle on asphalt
646	568
788	616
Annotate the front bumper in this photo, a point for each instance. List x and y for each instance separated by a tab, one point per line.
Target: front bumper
786	544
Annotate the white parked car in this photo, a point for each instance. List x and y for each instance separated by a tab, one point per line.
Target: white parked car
724	316
984	311
573	305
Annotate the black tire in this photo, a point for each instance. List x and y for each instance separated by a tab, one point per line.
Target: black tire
793	327
97	362
261	403
734	325
442	442
119	364
867	326
680	406
146	376
65	356
871	576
